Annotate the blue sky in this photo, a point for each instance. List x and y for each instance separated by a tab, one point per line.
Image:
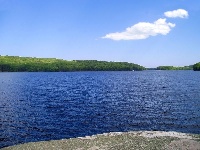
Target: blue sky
138	31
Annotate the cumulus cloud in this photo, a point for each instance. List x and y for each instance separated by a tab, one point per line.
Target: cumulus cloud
179	13
142	30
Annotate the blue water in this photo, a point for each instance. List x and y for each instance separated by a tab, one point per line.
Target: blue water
46	106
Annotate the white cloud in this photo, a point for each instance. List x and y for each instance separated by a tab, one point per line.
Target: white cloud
181	13
142	30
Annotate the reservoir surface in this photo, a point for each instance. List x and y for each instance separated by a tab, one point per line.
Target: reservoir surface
48	106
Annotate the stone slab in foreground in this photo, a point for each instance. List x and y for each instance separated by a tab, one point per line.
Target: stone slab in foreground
141	140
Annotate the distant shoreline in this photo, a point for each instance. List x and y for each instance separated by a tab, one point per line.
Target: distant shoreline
33	64
29	64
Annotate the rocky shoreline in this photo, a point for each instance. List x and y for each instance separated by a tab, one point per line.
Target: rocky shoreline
140	140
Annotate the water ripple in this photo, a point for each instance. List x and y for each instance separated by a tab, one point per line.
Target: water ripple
46	106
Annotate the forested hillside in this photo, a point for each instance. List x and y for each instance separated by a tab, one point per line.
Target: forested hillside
196	67
29	64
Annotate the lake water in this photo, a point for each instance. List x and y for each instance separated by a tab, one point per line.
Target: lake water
46	106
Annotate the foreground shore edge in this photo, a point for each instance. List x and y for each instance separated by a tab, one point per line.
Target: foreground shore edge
143	140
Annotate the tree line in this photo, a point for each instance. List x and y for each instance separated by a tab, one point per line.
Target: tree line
174	68
196	67
30	64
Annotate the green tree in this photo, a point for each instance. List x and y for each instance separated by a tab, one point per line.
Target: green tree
196	67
